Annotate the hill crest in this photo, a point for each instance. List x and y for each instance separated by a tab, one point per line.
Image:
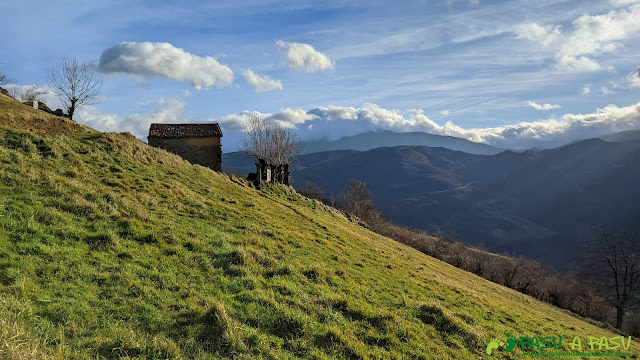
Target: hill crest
16	115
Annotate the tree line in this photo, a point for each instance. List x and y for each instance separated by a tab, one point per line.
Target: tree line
603	288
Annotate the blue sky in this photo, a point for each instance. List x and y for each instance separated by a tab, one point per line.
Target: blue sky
508	73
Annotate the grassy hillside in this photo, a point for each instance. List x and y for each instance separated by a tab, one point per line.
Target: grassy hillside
112	249
18	116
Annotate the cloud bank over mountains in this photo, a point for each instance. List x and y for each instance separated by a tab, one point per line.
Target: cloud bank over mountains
163	60
333	122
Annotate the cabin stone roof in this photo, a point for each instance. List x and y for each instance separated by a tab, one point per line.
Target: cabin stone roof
170	131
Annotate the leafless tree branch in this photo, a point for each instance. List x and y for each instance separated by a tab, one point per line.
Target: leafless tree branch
612	261
32	93
75	83
4	79
271	142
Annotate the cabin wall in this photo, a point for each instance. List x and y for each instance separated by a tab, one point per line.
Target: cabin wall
204	151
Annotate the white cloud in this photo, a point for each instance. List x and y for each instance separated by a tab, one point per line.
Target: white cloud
586	89
591	36
336	112
304	57
287	117
578	64
261	82
545	35
624	2
96	119
165	61
634	78
235	122
291	117
607	91
168	110
445	112
544	107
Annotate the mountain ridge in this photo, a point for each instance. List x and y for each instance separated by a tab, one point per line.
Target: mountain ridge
386	138
494	200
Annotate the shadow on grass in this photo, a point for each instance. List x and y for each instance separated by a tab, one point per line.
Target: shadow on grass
445	325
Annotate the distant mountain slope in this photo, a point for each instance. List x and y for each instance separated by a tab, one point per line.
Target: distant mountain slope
237	163
536	203
396	171
372	140
622	136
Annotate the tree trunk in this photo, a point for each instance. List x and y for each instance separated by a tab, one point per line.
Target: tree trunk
259	173
620	310
72	109
287	174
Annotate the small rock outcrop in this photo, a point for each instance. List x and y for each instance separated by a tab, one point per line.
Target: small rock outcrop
42	106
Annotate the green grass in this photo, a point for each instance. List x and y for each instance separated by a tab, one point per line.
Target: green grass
112	249
16	115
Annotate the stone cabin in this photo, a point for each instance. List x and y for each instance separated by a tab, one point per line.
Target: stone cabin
196	143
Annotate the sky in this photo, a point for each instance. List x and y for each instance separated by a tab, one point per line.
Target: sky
513	74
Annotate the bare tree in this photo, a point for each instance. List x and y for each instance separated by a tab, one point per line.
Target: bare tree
357	200
311	190
32	93
271	142
4	79
75	84
612	261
